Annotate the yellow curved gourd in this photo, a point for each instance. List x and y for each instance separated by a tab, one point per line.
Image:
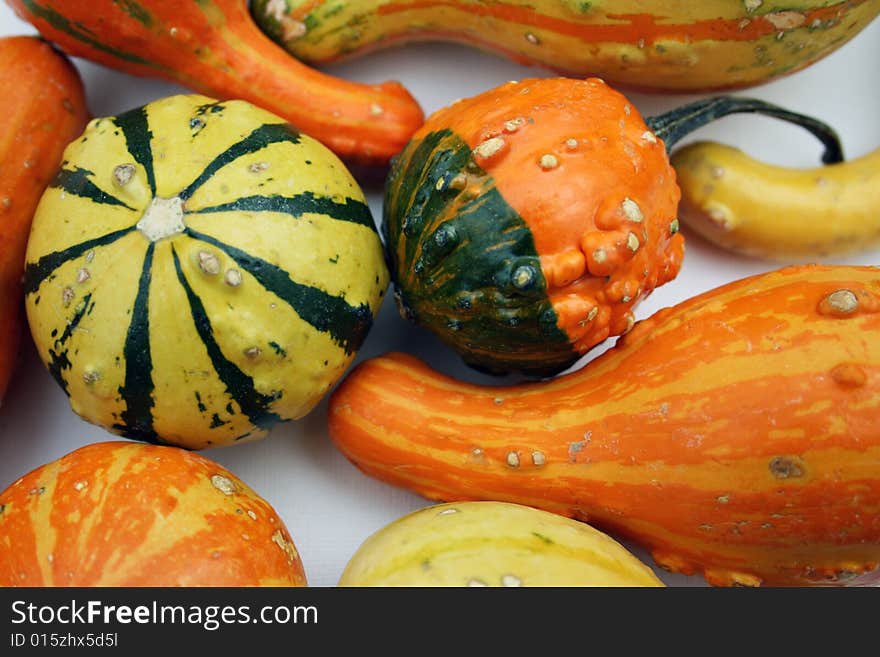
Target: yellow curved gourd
492	544
199	271
774	212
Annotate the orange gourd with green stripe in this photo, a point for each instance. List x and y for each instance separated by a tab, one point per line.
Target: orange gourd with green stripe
651	44
199	271
214	47
523	225
736	434
129	514
44	107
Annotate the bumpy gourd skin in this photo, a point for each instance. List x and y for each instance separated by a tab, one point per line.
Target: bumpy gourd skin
651	44
778	213
200	271
492	544
523	225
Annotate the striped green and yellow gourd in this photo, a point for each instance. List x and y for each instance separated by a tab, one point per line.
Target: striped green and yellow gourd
199	271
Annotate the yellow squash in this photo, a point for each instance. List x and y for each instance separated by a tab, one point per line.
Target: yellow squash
492	544
774	212
198	271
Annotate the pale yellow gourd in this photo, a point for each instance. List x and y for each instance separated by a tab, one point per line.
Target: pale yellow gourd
778	213
492	544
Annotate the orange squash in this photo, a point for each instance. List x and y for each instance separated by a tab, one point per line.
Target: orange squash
131	514
736	434
214	47
44	108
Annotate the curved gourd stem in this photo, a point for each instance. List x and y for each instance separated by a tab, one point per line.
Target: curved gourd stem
672	126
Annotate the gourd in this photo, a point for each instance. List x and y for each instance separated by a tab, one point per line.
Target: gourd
44	108
214	48
525	224
492	544
736	434
129	514
650	44
778	213
199	271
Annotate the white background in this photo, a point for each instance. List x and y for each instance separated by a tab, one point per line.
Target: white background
330	507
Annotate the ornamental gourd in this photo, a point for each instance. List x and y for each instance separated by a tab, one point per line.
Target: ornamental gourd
44	107
523	225
213	47
128	514
651	44
735	435
492	544
778	213
198	271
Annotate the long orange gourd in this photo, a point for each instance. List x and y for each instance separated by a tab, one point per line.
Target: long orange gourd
44	108
736	434
213	46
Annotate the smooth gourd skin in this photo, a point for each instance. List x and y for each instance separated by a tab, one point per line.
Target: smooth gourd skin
44	108
129	514
524	224
492	544
736	434
777	213
214	48
661	45
199	271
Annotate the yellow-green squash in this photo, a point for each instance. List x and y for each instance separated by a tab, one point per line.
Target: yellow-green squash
199	271
492	544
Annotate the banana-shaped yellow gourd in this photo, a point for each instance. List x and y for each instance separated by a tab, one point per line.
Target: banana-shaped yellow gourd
774	212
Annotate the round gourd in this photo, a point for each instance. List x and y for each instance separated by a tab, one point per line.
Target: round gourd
524	224
492	544
129	514
199	271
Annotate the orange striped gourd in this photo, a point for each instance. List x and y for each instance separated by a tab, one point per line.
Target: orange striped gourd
736	434
131	514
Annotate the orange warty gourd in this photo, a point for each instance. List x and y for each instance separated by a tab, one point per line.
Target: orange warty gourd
131	514
736	434
523	225
214	47
44	108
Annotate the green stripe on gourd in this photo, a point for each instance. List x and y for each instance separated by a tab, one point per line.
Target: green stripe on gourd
239	385
470	268
137	392
76	181
60	22
136	129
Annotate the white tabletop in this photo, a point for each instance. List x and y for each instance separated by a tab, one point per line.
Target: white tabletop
330	507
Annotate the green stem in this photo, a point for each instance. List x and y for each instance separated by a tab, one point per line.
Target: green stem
672	126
